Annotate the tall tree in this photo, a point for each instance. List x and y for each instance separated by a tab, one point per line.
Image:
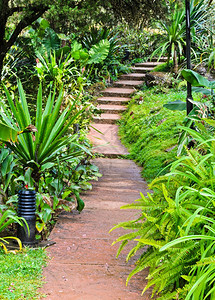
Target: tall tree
22	13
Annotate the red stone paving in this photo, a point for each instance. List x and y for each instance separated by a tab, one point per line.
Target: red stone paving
117	92
107	142
111	108
83	262
128	83
141	69
151	64
106	118
133	76
113	100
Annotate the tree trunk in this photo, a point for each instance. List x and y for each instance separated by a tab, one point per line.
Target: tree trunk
32	13
2	57
175	62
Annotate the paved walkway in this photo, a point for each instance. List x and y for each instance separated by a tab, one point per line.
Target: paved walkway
83	264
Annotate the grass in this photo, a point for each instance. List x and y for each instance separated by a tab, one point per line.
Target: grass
150	131
21	274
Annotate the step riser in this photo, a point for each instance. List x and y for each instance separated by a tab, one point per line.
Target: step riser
142	70
127	86
112	111
148	65
112	94
164	59
102	121
132	78
109	155
112	102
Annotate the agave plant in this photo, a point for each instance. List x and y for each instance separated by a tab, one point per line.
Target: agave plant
41	149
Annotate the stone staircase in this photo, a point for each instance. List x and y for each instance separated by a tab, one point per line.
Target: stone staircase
104	131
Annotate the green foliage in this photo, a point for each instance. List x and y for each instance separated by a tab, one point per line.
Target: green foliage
80	202
174	30
174	33
177	224
176	105
50	139
150	131
21	274
111	65
7	217
164	67
197	80
138	41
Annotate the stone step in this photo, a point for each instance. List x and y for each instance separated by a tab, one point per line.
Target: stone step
111	109
105	139
128	83
117	92
141	69
106	119
162	59
151	64
133	76
113	100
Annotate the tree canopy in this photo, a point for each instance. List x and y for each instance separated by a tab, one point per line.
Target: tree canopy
71	15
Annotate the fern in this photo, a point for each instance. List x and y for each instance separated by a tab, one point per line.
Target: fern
182	204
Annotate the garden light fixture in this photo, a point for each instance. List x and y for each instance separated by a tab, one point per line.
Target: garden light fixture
26	210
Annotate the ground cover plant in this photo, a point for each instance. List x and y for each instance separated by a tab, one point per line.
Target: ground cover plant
177	223
21	274
151	131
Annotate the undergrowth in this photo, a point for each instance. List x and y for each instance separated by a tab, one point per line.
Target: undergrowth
21	274
150	131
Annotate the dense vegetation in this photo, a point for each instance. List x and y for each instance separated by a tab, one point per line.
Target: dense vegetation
53	57
175	229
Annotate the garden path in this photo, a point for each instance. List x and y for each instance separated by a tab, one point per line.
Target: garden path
83	264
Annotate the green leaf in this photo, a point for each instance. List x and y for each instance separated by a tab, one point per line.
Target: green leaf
80	202
40	226
47	166
65	194
8	134
195	79
51	40
185	239
176	105
55	202
99	52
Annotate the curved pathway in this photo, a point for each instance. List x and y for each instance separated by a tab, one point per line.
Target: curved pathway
83	264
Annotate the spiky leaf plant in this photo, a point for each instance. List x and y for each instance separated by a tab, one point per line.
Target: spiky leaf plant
40	151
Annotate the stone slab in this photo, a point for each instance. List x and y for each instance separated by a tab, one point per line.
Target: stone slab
107	142
128	83
133	76
83	261
117	92
111	108
113	100
141	69
105	118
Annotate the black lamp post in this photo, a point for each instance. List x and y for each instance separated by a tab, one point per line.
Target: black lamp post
188	47
26	210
